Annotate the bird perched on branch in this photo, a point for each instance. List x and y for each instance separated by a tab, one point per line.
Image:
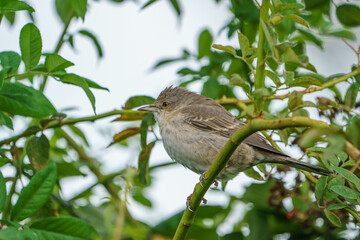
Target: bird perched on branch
195	128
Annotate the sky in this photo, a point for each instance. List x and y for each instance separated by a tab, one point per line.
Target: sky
133	42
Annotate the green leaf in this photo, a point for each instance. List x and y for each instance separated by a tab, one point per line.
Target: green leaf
311	37
55	62
237	80
304	81
18	99
78	132
6	121
149	120
333	218
4	161
81	82
274	77
68	169
295	100
353	130
10	60
336	206
348	14
258	194
345	192
320	188
228	49
58	228
30	45
283	7
297	19
35	194
94	40
67	9
270	39
80	7
342	34
143	164
2	191
244	44
138	101
12	233
2	76
250	172
348	175
204	45
351	95
38	151
140	198
93	84
329	194
176	6
13	6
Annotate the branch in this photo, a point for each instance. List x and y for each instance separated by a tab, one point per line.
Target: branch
69	121
221	160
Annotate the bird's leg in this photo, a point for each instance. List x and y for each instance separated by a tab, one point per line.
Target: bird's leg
204	201
202	178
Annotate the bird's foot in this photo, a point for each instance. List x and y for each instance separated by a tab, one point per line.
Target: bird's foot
202	178
204	201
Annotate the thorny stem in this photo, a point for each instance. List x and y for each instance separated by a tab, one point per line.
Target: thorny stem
221	160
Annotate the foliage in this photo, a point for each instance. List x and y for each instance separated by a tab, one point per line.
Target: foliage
268	65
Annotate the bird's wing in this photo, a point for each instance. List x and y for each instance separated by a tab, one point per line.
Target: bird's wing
217	120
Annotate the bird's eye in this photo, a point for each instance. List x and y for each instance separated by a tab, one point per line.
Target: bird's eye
165	104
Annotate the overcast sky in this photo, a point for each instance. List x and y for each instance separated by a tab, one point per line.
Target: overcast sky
133	41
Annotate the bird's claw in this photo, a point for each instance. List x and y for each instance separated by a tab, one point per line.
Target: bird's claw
204	202
202	178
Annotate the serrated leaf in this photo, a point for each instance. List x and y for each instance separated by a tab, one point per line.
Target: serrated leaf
149	120
35	194
348	14
138	101
30	45
351	95
204	44
11	61
125	134
38	151
228	49
345	192
333	218
297	19
18	99
2	192
81	82
55	62
13	6
348	175
143	163
58	228
94	40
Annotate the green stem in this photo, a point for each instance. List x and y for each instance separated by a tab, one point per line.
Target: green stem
69	121
221	160
7	205
260	65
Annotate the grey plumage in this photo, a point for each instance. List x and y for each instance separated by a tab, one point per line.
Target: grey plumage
195	129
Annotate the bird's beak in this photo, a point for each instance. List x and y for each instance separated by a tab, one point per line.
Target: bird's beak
149	108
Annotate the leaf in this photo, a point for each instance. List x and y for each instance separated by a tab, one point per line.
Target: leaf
93	84
274	77
149	120
80	7
12	233
353	130
228	49
140	198
176	6
345	192
348	14
58	228
270	39
282	7
320	188
11	61
138	101
143	164
35	194
6	121
342	33
13	6
351	95
68	169
250	172
30	45
333	218
67	9
311	37
348	175
125	134
4	161
304	81
297	19
55	62
38	151
204	45
78	132
94	40
237	80
329	194
18	99
244	44
2	192
295	100
336	206
81	82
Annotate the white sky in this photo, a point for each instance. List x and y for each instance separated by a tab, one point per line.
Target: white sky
133	41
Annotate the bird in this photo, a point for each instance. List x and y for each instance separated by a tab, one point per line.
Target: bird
195	128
